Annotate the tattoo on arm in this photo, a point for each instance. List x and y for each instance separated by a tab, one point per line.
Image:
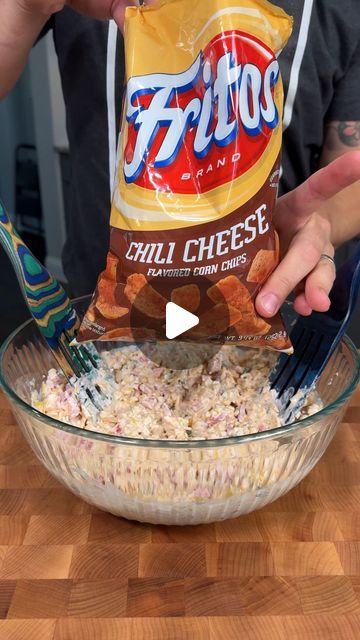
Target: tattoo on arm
340	134
349	133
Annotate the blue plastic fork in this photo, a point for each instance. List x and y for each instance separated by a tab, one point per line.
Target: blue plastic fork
315	339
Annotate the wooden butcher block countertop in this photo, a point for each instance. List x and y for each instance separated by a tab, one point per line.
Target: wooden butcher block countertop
288	572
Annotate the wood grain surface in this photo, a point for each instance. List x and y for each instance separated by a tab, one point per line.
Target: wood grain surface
288	572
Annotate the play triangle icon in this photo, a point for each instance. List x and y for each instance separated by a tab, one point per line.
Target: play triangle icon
178	320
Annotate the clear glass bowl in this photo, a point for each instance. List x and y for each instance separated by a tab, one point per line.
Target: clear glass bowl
166	482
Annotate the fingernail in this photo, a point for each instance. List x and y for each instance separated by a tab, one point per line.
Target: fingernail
270	303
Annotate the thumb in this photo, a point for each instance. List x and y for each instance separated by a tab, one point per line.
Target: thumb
117	11
301	258
118	8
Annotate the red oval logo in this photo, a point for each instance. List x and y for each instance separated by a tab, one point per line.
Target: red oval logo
196	130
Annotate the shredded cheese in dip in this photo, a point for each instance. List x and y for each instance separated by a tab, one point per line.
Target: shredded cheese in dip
227	396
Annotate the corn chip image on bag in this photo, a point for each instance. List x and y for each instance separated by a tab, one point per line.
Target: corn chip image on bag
197	174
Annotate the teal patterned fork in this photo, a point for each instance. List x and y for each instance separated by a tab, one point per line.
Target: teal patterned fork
55	317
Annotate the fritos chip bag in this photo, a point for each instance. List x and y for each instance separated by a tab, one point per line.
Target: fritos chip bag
198	171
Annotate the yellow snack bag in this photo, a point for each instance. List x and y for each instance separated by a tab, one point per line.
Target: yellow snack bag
198	170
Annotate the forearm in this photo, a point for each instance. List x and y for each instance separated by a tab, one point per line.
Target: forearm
343	210
19	29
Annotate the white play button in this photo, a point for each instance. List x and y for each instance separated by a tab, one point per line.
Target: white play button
178	320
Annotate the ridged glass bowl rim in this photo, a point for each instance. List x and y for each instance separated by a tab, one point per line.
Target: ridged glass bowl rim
180	444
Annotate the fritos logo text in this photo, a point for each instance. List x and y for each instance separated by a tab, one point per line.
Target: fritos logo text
223	108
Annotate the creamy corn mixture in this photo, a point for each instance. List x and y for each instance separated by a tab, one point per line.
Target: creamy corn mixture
227	396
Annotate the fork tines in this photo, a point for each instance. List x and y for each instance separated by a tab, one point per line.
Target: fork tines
312	340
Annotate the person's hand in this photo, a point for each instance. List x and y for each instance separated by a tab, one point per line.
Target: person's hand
304	237
101	9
